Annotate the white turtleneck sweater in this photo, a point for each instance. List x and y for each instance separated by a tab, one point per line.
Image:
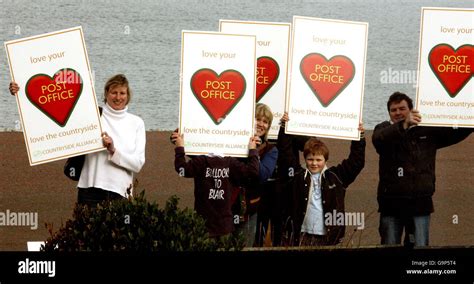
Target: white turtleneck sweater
115	172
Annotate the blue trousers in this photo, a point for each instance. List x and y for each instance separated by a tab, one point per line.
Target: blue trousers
249	229
416	230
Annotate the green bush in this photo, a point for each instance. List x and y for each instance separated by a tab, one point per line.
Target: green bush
137	225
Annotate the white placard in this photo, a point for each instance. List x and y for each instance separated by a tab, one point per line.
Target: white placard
273	43
326	79
445	91
56	101
217	92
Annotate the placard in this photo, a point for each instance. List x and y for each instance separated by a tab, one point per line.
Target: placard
273	43
326	78
217	93
56	101
445	91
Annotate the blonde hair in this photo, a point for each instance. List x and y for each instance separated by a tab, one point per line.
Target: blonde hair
263	111
117	80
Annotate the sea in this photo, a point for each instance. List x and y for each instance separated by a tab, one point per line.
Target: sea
142	39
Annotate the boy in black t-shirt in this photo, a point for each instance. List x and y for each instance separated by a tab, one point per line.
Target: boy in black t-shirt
215	177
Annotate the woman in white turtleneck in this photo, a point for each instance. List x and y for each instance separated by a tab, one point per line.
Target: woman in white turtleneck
108	175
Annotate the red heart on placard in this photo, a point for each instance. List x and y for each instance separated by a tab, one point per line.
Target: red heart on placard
56	97
327	78
267	74
453	68
218	94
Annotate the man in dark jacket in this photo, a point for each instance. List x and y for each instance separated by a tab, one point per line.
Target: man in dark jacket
407	171
317	192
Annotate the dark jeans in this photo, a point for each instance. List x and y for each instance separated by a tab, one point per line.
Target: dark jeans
92	196
310	240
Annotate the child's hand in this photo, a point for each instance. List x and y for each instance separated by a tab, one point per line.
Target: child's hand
14	88
253	142
177	139
284	119
171	136
361	129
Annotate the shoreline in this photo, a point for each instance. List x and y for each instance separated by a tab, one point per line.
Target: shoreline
43	189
